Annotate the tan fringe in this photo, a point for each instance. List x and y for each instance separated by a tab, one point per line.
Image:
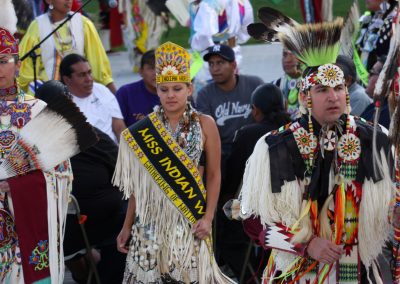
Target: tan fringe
373	215
59	186
171	228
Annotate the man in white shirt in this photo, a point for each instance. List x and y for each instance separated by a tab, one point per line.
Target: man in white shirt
97	103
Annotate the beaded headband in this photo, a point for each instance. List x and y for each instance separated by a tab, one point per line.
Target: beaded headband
328	75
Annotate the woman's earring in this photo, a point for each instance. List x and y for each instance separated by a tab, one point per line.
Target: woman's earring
51	7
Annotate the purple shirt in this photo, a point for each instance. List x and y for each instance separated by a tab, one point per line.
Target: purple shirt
136	101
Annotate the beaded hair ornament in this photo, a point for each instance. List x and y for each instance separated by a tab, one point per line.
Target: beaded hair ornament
172	64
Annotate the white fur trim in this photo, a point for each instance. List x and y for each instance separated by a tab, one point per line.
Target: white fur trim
256	194
374	224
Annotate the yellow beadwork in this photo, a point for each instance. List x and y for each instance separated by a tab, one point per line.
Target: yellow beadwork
172	64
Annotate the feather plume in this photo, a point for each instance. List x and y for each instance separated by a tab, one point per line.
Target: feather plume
8	18
314	44
350	30
259	31
273	22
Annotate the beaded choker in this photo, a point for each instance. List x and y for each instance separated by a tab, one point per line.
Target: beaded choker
10	91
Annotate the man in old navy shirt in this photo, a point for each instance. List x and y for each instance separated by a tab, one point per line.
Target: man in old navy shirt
138	99
228	100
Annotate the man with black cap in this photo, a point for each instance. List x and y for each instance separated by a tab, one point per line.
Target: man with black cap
228	100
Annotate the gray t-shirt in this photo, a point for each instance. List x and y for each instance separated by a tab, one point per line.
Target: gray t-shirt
359	100
231	110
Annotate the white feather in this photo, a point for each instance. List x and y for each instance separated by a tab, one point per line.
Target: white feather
8	18
350	30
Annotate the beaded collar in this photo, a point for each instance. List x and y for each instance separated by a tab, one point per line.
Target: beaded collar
345	144
10	91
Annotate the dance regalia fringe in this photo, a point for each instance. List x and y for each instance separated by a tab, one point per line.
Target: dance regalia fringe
358	210
163	248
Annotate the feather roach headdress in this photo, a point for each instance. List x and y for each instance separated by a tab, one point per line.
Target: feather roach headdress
316	45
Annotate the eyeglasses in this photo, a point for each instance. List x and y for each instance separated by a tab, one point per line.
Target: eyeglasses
5	60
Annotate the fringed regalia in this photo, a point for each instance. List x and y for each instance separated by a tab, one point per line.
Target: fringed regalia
306	180
32	214
37	137
341	198
163	249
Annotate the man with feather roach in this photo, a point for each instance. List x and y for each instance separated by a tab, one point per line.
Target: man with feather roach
320	186
36	139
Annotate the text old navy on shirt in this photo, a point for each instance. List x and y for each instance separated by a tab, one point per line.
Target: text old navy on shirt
229	110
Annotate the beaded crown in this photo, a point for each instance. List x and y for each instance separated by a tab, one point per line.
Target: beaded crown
8	44
172	64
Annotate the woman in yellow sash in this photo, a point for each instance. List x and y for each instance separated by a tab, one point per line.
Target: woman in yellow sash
167	229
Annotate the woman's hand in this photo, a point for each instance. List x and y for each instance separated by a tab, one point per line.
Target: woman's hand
123	240
202	228
4	186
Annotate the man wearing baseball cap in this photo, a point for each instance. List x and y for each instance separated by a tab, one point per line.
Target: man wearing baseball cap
228	100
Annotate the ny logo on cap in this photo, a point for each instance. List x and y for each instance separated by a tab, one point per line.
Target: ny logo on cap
216	48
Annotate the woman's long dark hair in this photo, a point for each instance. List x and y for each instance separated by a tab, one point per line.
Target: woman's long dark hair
269	99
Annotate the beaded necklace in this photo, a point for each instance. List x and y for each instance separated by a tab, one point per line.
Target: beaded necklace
10	91
67	44
18	110
187	133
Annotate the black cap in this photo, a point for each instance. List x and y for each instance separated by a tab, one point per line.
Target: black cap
222	50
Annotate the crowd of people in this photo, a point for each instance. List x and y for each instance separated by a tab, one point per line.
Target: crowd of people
211	176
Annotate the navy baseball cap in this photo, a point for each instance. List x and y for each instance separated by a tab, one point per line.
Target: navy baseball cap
222	50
